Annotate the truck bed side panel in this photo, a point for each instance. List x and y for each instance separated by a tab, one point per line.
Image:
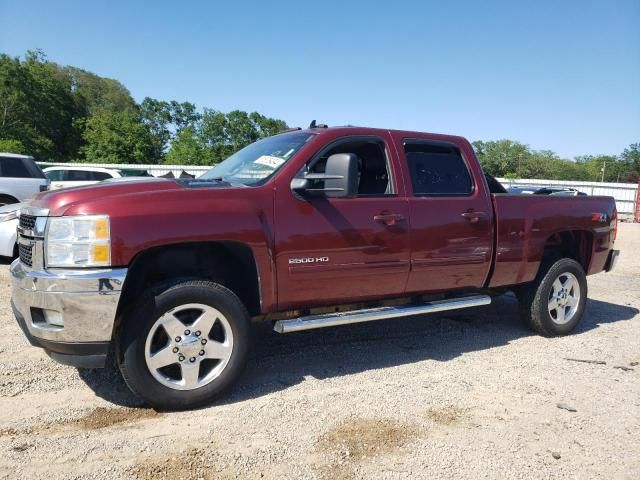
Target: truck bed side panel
524	224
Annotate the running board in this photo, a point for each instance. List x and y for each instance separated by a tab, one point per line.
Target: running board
381	313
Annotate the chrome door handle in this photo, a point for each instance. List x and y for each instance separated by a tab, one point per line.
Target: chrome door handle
473	217
389	219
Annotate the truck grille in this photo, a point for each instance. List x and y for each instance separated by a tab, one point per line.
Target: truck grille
25	253
27	222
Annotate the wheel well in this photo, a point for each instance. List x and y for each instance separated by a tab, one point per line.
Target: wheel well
11	199
575	244
228	263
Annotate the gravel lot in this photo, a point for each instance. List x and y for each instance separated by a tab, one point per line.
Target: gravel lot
467	395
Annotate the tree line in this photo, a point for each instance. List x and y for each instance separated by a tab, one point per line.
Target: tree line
510	159
67	114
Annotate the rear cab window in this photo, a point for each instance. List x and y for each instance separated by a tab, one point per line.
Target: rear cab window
437	169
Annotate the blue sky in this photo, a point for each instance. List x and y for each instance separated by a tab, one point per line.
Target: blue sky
560	75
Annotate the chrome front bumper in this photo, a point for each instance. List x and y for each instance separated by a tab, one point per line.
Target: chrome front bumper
61	309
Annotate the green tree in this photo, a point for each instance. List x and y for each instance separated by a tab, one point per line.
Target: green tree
183	115
630	160
502	157
12	146
266	126
37	107
240	130
156	115
186	149
66	113
93	92
165	120
15	101
224	134
510	159
116	137
213	136
593	167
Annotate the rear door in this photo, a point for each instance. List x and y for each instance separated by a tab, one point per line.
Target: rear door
343	250
451	215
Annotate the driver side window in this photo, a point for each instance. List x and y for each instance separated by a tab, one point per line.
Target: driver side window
373	165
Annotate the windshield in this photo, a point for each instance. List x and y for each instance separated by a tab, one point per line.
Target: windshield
257	162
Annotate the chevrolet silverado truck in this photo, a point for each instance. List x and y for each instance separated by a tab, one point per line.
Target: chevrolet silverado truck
305	229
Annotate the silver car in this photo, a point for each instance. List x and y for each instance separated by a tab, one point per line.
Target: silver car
8	229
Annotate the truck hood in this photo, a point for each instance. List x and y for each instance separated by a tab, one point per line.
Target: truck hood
60	201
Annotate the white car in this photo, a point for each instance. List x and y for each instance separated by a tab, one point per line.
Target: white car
8	229
20	178
74	176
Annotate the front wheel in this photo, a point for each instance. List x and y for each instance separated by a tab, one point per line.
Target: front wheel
554	302
183	346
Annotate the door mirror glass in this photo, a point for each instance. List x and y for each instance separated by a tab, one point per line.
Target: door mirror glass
342	172
339	180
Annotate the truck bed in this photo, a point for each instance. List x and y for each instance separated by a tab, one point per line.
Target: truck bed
524	224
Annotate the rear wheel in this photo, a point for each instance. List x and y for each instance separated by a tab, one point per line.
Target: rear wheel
183	346
553	304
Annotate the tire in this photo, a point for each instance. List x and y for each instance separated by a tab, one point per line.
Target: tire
561	284
161	344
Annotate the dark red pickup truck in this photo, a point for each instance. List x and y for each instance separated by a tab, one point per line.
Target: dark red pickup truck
307	229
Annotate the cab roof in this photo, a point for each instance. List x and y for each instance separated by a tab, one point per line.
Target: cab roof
356	130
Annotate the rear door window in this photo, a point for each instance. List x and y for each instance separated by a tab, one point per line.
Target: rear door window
99	176
14	167
437	169
79	176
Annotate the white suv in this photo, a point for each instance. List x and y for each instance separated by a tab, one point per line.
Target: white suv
20	178
73	176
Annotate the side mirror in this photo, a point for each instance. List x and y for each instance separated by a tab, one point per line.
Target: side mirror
340	178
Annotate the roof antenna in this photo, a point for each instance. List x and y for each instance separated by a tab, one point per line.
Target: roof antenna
312	124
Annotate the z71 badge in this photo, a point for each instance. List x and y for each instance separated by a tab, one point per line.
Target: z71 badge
293	261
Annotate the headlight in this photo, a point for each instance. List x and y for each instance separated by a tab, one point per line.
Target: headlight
82	241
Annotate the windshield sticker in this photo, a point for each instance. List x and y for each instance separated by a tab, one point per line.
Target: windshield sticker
269	161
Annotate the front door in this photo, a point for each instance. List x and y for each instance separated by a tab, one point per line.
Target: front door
343	250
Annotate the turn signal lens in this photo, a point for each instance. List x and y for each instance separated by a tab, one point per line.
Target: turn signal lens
102	229
101	253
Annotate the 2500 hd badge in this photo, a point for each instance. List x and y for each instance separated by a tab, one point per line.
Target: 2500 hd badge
293	261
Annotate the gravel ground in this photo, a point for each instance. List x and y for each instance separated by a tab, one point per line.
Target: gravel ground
467	395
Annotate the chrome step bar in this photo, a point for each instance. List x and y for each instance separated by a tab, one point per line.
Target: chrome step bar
381	313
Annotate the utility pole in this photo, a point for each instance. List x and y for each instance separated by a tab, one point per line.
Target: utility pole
604	165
